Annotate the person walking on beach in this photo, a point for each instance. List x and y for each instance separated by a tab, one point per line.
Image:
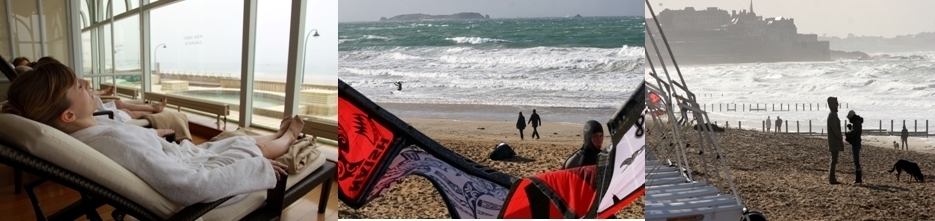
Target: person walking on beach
835	142
854	138
536	122
905	136
778	124
768	124
521	124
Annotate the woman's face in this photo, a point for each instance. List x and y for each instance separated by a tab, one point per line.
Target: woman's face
82	102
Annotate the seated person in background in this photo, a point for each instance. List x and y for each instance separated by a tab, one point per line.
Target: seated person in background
593	136
184	173
20	61
123	112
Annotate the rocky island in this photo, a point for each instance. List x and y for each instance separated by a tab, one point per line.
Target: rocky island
423	17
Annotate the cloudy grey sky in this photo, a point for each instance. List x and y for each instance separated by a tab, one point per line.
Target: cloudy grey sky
372	10
832	17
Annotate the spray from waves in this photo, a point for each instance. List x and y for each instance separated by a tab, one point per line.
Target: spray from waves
474	40
627	51
376	37
529	59
394	73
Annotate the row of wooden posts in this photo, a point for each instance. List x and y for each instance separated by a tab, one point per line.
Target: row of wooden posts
782	107
866	129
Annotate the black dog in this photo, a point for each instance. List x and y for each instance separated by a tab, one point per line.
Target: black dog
910	168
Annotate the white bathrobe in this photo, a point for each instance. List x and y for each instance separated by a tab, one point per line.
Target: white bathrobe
184	173
119	115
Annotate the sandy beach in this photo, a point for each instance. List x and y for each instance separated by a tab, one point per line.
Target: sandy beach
785	177
415	197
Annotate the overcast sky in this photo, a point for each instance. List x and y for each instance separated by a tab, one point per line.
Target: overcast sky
832	17
372	10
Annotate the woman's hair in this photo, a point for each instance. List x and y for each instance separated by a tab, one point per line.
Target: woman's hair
42	93
46	59
17	60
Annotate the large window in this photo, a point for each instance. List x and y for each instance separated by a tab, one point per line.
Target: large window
56	29
318	97
25	34
127	51
271	60
196	48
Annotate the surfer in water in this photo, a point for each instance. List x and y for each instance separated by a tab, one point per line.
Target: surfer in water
399	85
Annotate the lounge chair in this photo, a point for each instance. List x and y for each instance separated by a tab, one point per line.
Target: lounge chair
46	152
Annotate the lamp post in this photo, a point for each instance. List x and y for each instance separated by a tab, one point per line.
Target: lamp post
154	56
305	50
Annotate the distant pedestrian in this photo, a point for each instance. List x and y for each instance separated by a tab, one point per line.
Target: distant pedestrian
778	124
521	124
536	122
905	136
769	123
835	138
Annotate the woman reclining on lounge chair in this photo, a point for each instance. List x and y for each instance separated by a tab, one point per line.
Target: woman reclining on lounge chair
184	173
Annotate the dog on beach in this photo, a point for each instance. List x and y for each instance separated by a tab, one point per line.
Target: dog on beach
910	168
895	145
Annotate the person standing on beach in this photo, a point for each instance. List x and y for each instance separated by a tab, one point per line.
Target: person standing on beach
835	141
768	124
854	139
536	122
521	124
778	124
593	136
905	136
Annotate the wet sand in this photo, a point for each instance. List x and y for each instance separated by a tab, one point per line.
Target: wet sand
497	113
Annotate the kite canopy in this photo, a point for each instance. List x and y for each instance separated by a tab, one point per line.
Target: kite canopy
378	150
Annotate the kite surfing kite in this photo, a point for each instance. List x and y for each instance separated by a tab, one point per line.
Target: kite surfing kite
378	150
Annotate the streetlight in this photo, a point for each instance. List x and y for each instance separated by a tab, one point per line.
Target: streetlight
154	56
305	50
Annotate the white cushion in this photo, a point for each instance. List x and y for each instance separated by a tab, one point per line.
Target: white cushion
65	151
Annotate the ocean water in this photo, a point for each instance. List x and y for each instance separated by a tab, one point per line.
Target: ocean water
880	90
586	63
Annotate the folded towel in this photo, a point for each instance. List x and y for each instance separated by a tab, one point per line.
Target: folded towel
302	152
171	120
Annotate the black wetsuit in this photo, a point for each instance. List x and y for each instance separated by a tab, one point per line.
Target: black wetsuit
588	153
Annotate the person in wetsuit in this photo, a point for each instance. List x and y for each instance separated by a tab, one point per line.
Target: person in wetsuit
593	136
